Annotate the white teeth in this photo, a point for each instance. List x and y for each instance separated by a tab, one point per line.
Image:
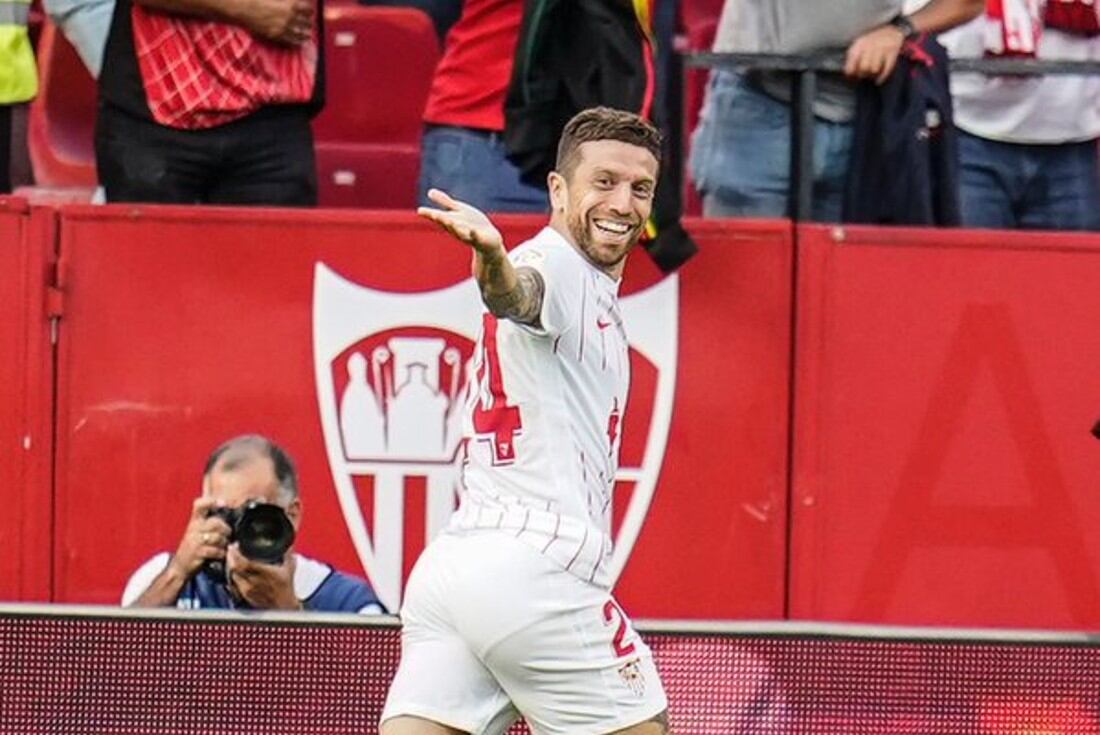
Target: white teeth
617	228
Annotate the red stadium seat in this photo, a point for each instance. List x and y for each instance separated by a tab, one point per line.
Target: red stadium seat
379	65
62	118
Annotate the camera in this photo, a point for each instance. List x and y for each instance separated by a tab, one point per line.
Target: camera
262	530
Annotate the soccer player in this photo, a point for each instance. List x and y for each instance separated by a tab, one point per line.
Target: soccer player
509	611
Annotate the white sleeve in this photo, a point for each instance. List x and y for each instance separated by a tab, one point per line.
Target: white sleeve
563	286
144	576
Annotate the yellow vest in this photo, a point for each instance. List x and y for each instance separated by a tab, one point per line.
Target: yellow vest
18	76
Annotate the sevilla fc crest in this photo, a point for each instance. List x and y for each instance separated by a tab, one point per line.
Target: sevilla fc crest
391	369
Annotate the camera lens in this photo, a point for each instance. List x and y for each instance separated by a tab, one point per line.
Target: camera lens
264	532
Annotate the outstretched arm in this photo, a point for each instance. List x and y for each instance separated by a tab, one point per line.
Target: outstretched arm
509	292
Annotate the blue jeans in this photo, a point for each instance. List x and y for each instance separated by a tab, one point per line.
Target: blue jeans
741	154
1039	187
470	165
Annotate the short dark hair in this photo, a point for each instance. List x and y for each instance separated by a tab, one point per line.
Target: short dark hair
240	449
604	123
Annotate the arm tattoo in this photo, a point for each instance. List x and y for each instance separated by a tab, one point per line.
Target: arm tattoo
523	303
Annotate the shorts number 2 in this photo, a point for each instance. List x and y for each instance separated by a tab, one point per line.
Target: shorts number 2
611	611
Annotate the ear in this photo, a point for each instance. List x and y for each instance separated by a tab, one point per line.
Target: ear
294	512
559	191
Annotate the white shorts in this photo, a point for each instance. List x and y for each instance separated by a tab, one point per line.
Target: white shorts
493	629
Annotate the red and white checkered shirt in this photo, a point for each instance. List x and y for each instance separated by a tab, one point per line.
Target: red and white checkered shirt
201	73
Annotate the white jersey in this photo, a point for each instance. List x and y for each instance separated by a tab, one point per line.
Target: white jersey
543	415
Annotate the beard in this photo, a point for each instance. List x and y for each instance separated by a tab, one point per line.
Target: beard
604	256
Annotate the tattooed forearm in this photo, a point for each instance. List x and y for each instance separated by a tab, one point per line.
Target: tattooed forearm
523	302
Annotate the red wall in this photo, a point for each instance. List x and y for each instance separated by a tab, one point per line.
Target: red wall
939	465
946	383
26	410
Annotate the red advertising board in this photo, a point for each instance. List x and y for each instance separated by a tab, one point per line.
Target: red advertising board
180	331
944	471
25	402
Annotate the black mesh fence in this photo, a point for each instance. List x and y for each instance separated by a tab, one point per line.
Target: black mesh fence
65	670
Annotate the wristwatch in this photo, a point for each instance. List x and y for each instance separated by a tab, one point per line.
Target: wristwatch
905	25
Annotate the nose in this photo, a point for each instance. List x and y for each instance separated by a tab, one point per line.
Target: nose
619	199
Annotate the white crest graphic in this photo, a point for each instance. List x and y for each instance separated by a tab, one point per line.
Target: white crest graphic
390	368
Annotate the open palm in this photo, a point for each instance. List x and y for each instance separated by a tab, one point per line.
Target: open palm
467	223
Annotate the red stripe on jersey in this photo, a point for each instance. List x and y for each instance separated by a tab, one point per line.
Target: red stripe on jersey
579	549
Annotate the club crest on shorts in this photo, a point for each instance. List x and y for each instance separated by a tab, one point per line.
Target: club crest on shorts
391	371
632	676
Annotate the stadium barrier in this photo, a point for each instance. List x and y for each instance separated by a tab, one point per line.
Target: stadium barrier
27	243
78	670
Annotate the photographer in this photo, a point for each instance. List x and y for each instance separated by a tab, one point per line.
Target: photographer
236	550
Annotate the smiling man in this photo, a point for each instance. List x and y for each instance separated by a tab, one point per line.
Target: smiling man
509	611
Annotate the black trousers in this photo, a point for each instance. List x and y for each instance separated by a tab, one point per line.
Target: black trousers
5	149
263	159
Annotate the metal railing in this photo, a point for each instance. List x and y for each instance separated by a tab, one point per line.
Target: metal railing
805	69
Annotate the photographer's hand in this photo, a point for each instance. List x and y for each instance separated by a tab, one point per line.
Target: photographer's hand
205	537
263	586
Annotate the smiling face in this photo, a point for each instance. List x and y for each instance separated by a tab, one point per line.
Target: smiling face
602	201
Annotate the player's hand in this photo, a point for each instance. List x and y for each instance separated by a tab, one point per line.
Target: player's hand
467	223
874	54
263	586
283	21
206	537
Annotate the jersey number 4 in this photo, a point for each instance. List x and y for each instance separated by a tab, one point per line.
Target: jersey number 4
493	416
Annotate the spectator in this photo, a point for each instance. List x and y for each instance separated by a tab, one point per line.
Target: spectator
241	470
209	101
18	77
85	23
463	151
741	149
443	13
1028	145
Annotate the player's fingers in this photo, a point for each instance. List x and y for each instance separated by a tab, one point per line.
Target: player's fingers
440	218
444	199
431	213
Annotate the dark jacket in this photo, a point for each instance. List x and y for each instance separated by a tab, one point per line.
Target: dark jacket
576	54
904	168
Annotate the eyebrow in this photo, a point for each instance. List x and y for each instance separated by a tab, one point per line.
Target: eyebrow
600	171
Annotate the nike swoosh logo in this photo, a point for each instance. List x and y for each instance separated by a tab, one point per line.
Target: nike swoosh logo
602	324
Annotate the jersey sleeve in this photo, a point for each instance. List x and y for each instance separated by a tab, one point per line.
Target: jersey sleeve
563	286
